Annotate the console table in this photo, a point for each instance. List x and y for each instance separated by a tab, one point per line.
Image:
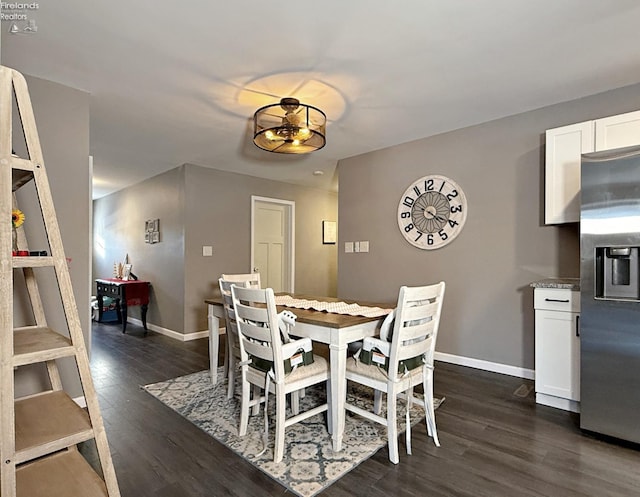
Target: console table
125	293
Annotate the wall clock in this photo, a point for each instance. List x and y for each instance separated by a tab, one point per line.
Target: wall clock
432	212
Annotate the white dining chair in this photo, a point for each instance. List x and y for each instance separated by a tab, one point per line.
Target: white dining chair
266	356
401	359
253	281
233	345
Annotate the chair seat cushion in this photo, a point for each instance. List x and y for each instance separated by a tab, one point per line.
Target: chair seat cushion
318	366
374	371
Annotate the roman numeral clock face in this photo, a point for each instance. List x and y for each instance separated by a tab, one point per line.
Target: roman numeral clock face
432	212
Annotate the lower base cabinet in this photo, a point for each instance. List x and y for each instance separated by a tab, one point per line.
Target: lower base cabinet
557	348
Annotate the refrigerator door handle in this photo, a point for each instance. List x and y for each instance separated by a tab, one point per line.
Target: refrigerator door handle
578	325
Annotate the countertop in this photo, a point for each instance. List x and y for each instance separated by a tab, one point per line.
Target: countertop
563	283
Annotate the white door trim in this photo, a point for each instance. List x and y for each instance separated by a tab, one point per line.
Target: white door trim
291	207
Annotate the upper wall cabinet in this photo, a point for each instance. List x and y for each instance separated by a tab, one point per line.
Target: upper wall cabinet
562	171
564	147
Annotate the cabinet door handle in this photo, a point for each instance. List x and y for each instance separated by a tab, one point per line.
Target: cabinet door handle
557	300
578	326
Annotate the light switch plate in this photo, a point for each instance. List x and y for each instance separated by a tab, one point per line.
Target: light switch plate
356	246
348	247
207	250
364	246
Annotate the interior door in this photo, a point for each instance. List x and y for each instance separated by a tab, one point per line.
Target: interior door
272	242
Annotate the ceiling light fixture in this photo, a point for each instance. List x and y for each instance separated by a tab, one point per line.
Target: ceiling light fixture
289	127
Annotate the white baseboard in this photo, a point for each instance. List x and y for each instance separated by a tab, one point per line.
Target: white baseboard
81	401
439	356
485	365
170	333
557	402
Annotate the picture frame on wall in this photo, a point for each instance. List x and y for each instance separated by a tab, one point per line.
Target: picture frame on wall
152	231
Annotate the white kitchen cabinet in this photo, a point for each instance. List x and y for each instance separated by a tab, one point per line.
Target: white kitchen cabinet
617	131
562	171
564	147
557	348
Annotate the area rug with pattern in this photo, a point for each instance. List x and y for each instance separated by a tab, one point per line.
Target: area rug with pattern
310	465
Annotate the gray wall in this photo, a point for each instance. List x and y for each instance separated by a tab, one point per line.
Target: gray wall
504	246
219	214
119	227
62	119
201	206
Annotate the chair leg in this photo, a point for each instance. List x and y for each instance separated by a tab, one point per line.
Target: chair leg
231	376
329	424
295	402
244	405
256	395
227	351
392	427
430	414
377	402
281	408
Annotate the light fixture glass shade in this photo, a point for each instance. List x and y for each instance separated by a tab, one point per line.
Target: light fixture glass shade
289	127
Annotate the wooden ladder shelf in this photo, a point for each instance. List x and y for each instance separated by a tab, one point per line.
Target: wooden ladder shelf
39	433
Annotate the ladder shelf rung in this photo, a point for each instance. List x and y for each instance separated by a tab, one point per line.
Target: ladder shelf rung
65	474
32	261
33	344
47	423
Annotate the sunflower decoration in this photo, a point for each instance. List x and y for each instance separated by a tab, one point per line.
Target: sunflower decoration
17	218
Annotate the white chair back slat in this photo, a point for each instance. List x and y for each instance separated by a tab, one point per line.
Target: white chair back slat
420	310
259	349
413	331
252	278
414	349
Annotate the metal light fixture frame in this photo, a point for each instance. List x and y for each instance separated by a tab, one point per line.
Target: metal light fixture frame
289	127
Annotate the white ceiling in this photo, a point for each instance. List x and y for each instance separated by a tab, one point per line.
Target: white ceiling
178	82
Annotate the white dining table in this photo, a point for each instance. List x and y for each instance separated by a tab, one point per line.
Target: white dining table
335	330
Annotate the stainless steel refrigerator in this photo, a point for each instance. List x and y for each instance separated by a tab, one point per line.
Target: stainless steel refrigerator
610	293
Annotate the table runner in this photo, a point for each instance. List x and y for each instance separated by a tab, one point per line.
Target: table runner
333	307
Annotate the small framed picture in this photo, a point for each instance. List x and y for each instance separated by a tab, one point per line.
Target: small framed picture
126	273
328	232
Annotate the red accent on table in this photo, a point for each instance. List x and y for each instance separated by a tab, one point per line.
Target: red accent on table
137	292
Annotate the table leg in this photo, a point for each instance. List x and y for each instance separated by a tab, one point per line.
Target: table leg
123	310
143	312
338	359
100	307
214	343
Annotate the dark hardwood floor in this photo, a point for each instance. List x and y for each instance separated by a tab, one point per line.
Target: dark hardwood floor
495	440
